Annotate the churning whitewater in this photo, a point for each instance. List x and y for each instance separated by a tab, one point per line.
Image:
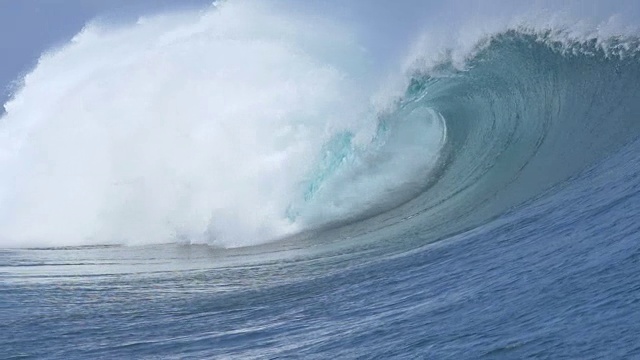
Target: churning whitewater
232	127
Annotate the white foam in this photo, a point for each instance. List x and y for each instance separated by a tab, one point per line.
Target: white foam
194	126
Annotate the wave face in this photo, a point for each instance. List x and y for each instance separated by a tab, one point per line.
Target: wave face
528	109
240	125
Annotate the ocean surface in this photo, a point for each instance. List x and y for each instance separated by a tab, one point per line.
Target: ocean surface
161	200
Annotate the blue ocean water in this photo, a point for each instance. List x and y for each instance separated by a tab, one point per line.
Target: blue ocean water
556	277
518	240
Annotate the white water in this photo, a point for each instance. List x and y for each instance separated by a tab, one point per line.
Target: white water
196	127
